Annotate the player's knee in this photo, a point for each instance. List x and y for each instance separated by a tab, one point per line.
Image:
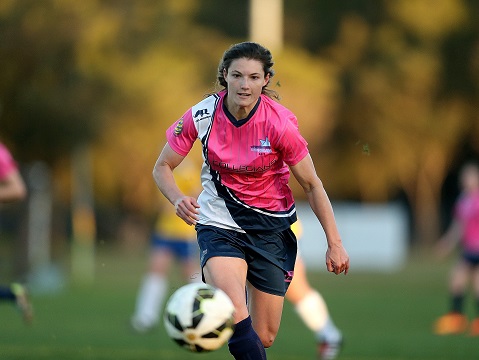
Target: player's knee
267	342
267	338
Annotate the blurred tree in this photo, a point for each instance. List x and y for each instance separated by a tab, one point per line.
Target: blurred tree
386	95
314	25
48	105
396	111
229	18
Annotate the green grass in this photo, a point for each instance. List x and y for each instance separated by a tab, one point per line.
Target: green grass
382	316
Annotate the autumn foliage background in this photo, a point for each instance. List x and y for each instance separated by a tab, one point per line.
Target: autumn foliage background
386	94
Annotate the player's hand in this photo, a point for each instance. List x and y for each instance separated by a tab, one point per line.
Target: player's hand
337	259
187	209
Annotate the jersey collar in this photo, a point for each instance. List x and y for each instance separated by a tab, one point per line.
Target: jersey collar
240	122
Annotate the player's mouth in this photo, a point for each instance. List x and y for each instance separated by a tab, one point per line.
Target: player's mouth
243	95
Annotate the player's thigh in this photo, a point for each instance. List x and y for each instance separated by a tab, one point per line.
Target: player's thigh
190	268
161	260
229	275
265	310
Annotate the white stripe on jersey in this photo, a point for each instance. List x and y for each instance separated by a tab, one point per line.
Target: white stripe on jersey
213	210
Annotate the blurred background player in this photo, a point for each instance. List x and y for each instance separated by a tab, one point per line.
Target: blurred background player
172	241
12	189
464	229
312	309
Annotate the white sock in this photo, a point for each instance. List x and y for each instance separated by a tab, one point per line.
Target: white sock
313	311
150	299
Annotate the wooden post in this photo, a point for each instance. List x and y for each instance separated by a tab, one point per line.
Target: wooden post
266	23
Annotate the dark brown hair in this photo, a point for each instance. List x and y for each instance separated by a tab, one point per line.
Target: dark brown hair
253	51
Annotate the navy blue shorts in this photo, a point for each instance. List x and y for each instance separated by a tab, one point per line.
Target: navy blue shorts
471	259
270	257
180	248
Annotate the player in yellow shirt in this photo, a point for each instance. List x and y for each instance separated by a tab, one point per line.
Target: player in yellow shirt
312	309
172	240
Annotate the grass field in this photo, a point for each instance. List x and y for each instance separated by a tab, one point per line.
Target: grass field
383	316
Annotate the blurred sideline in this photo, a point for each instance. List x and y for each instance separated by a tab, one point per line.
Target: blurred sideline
375	236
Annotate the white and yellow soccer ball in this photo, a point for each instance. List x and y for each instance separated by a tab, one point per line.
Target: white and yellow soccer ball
199	317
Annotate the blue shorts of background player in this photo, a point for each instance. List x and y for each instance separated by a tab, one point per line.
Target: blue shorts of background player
180	248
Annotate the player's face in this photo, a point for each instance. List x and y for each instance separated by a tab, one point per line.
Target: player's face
245	79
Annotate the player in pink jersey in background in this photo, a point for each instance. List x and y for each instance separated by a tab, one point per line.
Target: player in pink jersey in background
12	188
243	215
465	230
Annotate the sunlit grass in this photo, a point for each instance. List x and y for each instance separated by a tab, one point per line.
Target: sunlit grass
382	316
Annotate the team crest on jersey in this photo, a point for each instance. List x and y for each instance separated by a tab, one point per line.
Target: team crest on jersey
178	127
263	148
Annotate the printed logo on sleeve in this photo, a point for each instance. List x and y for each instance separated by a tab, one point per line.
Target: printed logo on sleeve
201	115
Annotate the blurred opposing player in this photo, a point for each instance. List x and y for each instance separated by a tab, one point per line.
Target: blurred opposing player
171	241
312	309
465	230
12	189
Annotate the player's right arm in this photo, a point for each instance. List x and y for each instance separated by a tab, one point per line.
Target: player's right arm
186	206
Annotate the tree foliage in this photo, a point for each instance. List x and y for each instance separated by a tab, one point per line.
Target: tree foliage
48	104
384	94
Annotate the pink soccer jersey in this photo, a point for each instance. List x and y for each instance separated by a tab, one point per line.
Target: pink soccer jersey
7	164
467	213
245	171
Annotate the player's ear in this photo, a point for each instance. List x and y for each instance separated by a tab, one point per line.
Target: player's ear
266	79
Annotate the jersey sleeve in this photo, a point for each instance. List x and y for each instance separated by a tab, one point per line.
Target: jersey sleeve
182	134
293	146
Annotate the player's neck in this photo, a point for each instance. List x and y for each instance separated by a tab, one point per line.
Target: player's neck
239	112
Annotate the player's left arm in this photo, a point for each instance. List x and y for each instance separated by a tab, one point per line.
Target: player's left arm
337	259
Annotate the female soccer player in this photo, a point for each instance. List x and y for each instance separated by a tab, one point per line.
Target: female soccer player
243	215
464	229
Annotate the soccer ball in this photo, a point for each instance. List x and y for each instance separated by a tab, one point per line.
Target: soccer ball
199	317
